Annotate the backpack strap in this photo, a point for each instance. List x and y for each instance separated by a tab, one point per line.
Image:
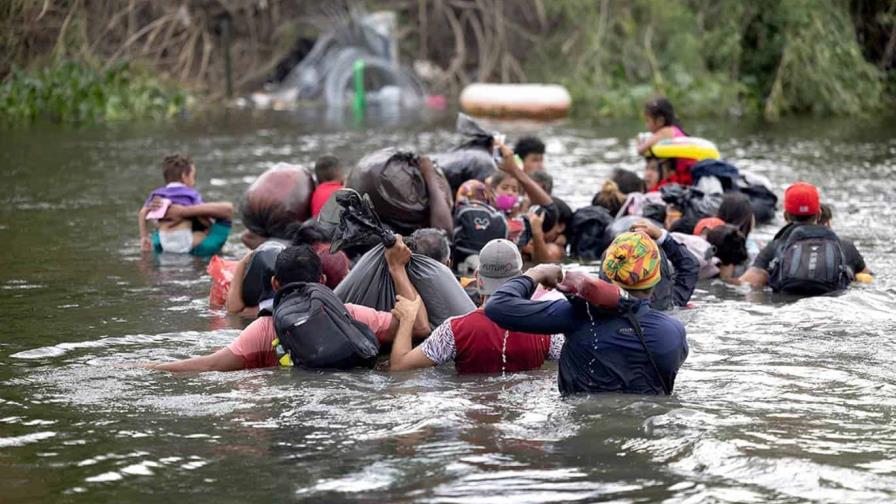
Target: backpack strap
633	320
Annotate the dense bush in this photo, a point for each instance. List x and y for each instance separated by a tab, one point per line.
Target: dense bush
73	92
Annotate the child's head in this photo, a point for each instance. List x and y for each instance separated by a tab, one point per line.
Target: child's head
177	168
531	150
507	191
658	113
610	197
328	169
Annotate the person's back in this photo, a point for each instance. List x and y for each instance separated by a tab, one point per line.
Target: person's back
330	178
634	349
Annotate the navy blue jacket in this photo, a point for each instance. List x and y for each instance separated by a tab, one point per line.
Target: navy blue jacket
600	356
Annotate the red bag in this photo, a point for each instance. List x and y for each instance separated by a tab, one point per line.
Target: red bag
221	271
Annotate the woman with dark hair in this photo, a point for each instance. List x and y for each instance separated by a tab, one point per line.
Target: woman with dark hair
661	121
736	210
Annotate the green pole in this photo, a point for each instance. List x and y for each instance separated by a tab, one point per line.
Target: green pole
360	102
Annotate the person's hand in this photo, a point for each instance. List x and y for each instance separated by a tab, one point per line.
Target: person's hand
508	163
398	255
726	272
425	164
573	282
647	228
405	309
536	222
549	275
145	244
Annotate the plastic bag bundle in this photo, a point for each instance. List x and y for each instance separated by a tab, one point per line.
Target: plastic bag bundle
221	271
369	284
277	201
392	181
473	159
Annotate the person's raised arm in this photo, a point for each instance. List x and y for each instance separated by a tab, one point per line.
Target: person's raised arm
537	195
439	209
403	356
145	242
511	308
540	252
687	268
222	360
222	210
397	258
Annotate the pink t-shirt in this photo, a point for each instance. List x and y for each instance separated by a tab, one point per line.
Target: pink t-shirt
254	344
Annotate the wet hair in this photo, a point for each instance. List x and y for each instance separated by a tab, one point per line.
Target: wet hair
528	145
737	210
825	215
661	108
175	166
310	233
564	212
730	244
628	181
327	168
499	177
544	179
654	211
609	197
299	263
432	243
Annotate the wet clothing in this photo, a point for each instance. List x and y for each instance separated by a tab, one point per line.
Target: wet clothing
321	194
211	245
478	345
255	344
763	261
178	193
682	165
678	282
603	355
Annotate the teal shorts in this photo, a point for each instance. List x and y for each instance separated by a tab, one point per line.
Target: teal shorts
211	245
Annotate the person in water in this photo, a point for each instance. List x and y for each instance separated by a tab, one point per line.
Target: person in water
548	245
182	230
530	150
473	342
254	347
853	256
802	207
511	184
737	210
662	123
330	178
632	349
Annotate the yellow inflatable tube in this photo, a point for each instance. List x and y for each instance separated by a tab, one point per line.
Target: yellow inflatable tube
686	148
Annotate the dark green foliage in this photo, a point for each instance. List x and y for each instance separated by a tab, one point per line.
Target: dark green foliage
73	92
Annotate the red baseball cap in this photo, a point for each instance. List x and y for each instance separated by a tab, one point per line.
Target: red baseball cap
707	223
802	199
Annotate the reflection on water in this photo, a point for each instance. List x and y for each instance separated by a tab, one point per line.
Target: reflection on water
778	401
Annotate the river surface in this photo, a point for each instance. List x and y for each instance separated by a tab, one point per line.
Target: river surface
779	400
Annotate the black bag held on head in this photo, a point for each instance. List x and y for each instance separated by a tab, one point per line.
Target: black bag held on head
587	236
316	331
809	262
476	224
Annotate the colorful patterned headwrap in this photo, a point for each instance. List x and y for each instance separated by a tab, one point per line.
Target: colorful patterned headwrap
475	190
633	261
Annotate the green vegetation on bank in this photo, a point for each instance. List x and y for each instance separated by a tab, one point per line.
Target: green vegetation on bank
714	57
76	92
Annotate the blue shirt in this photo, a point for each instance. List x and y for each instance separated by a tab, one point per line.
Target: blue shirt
603	355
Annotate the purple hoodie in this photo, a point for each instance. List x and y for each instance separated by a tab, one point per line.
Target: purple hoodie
178	193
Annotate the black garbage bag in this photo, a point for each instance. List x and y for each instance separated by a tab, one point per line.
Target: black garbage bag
473	159
588	233
359	224
369	284
278	201
693	203
762	199
727	173
257	280
392	181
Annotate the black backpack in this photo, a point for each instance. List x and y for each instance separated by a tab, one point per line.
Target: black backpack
809	261
476	224
317	331
587	235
